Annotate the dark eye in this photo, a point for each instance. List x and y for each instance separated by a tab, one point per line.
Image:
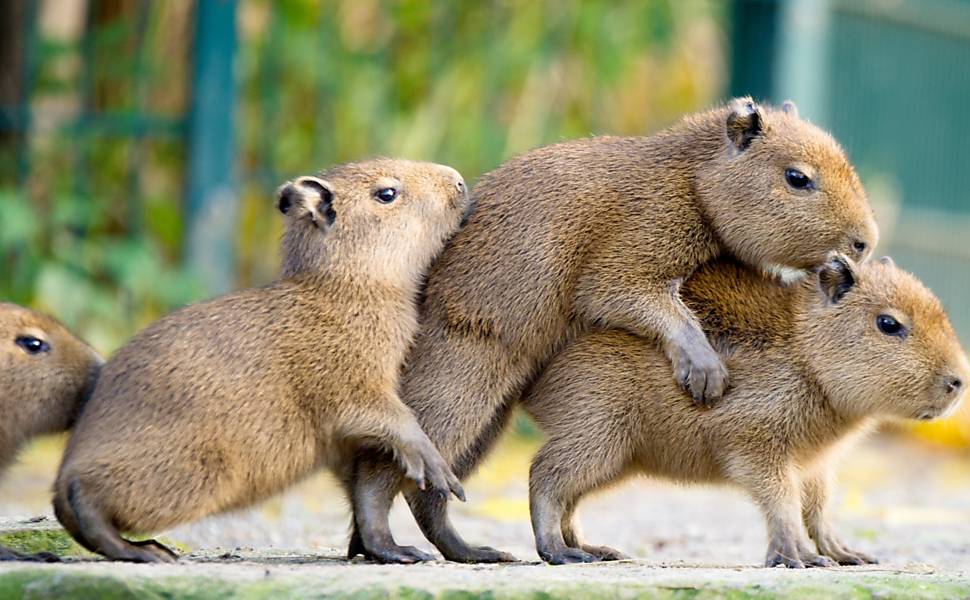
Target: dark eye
386	195
797	179
32	345
890	326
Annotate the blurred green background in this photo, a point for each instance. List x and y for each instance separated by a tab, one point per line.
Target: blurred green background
140	142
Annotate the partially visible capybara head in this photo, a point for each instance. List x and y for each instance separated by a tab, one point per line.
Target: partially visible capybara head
782	192
880	342
46	374
383	214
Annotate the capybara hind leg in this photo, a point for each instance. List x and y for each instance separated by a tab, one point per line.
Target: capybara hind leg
546	511
777	491
373	492
98	535
563	471
573	537
815	494
431	513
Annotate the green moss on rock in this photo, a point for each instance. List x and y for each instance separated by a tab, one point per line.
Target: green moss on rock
55	541
50	583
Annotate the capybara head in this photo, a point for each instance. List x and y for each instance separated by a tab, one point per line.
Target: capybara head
782	192
880	342
46	373
379	215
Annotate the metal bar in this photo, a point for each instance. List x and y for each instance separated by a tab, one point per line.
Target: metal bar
754	32
83	138
136	157
212	196
23	123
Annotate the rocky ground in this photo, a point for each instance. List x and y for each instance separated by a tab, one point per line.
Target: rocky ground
906	503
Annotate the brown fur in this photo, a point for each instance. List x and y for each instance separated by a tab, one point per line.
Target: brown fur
810	372
42	387
224	403
600	232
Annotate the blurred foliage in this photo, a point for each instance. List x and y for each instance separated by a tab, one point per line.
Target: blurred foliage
94	233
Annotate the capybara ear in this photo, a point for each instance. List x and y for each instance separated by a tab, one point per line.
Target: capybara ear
744	123
788	107
888	261
302	191
836	277
286	196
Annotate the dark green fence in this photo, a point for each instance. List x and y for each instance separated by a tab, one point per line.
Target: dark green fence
891	80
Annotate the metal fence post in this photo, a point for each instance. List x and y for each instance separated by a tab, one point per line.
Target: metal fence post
212	194
754	37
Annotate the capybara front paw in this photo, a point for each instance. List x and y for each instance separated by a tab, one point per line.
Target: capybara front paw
567	556
700	372
439	475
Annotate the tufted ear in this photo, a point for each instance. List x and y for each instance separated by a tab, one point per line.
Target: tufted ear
888	261
744	123
304	191
788	107
836	277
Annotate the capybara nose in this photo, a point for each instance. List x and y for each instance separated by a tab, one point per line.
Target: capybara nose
460	185
860	248
953	384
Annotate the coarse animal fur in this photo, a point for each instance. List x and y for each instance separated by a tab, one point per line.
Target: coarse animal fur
811	371
224	403
46	374
600	232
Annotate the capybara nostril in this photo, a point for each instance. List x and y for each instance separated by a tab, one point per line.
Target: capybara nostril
953	384
860	247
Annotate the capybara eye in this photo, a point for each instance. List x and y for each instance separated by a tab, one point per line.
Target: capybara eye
386	195
797	179
32	345
890	326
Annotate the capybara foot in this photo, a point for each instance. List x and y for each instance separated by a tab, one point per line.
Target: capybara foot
604	552
853	558
8	554
481	554
152	551
567	556
818	560
392	553
776	559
